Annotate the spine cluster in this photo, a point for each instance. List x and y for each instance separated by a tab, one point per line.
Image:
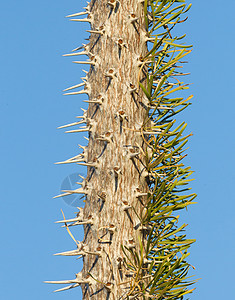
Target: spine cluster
136	179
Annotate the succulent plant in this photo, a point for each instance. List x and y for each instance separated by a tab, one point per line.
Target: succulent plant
133	247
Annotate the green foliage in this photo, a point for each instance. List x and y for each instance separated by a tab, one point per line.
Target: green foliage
160	268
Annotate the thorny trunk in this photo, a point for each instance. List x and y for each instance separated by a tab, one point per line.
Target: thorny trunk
132	247
114	143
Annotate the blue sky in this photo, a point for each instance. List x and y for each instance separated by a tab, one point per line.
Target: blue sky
34	35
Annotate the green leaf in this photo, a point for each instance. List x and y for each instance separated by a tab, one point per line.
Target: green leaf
148	95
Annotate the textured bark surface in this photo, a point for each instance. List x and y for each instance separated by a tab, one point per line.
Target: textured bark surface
116	178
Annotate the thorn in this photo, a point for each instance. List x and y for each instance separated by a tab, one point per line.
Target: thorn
112	228
84	46
95	31
165	108
82	117
152	132
71	161
62	281
78	280
78	130
111	73
146	228
78	218
99	100
94	163
67	288
132	88
112	3
69	125
85	149
92	101
75	158
71	253
91	125
78	48
133	18
70	192
107	137
89	164
121	43
85	62
97	252
130	243
77	191
100	30
109	286
90	20
70	220
77	14
90	221
139	194
117	171
75	93
146	261
150	39
74	86
102	196
119	262
86	90
76	53
122	115
126	205
133	153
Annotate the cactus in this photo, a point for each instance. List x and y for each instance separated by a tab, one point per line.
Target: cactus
136	180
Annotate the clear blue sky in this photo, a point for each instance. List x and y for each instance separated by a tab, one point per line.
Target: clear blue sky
34	35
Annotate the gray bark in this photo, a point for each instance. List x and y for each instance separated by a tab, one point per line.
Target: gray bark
116	178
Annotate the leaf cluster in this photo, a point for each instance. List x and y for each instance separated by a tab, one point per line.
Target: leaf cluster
159	269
